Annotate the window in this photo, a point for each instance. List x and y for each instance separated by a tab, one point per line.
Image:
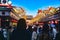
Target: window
4	1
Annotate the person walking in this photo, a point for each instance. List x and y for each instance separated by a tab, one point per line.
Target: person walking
58	34
34	34
21	33
1	36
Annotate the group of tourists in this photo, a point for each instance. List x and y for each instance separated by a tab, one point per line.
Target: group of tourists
31	32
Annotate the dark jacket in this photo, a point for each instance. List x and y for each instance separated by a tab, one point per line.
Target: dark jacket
21	35
57	36
1	36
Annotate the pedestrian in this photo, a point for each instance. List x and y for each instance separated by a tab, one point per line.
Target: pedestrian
58	34
34	34
45	33
1	36
21	33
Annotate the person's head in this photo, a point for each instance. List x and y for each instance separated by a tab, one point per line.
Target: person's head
21	24
45	28
30	27
35	29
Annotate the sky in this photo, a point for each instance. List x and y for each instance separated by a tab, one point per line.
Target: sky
32	6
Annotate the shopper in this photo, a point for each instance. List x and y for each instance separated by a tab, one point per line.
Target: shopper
21	33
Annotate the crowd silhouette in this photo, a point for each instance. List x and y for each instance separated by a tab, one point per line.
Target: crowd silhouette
31	32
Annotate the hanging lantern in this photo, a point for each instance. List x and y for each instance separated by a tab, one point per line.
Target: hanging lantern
52	22
39	11
56	21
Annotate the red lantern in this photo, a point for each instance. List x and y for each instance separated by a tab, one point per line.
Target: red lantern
52	22
56	21
39	11
13	20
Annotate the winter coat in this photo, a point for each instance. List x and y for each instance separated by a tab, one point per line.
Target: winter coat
20	35
1	36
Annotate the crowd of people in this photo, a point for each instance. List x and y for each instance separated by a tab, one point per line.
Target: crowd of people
31	32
